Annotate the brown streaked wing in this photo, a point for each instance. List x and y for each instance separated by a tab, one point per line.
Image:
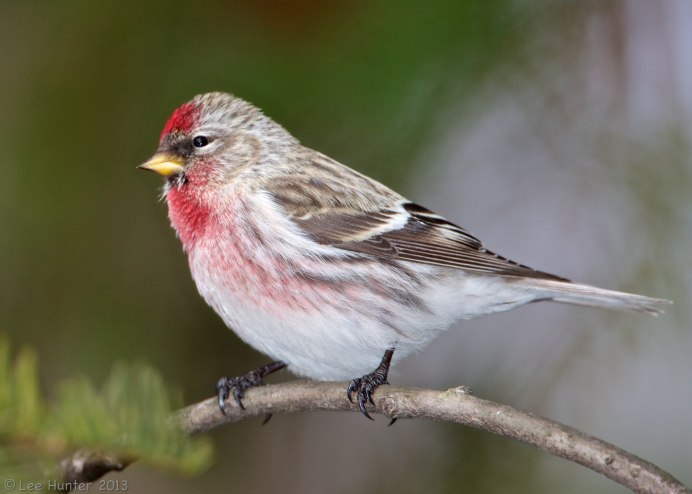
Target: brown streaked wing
350	211
426	238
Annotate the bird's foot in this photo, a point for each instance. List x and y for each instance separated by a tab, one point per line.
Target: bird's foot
365	386
236	386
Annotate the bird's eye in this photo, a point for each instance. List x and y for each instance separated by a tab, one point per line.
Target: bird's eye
200	141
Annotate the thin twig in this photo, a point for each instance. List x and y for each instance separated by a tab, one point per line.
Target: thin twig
455	405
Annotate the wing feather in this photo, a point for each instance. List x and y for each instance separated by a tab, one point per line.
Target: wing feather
349	211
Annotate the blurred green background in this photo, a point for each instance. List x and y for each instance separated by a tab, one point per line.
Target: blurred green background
559	132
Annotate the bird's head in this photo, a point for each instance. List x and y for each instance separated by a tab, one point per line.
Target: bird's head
211	138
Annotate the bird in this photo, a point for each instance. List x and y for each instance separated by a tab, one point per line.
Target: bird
322	268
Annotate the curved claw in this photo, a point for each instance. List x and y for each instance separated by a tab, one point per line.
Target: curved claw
361	404
368	394
365	386
238	396
225	386
355	384
222	393
238	385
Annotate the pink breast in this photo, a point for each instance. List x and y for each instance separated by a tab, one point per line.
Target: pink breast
228	248
189	216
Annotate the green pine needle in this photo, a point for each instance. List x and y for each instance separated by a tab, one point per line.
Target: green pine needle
129	417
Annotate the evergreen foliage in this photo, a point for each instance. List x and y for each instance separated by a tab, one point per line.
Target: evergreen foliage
130	417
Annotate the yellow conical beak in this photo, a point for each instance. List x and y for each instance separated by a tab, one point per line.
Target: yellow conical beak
164	164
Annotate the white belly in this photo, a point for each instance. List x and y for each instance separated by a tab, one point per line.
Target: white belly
329	316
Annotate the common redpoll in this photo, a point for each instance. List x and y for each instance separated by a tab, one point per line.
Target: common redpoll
320	267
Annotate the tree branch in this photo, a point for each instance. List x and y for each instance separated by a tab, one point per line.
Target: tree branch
455	405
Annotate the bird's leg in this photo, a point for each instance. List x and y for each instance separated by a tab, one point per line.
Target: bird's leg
366	385
236	386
